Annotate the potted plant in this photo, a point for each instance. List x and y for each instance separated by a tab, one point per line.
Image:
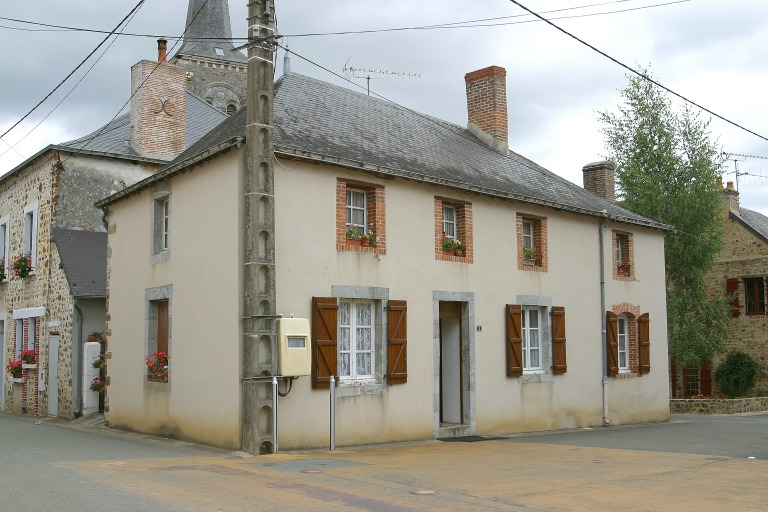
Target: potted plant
28	359
624	268
98	384
531	255
22	265
369	237
157	367
2	269
99	361
450	245
355	235
14	370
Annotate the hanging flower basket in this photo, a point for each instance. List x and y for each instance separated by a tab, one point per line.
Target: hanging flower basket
98	384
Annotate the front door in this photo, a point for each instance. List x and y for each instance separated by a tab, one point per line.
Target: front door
451	405
3	363
53	376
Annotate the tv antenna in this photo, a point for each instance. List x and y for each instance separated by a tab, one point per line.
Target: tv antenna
732	157
366	74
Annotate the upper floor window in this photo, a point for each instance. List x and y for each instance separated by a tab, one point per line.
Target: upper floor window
356	209
4	248
623	257
449	221
453	230
531	242
29	243
360	217
161	227
754	291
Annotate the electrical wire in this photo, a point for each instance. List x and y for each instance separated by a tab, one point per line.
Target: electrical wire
641	75
136	8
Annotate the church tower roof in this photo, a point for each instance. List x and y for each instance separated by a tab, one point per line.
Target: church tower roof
209	32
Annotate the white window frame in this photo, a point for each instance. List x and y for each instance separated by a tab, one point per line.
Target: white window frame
619	254
528	241
4	241
623	343
352	326
30	235
351	208
19	339
449	224
32	333
160	237
527	333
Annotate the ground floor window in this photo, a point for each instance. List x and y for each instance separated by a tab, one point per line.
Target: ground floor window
531	327
356	339
158	333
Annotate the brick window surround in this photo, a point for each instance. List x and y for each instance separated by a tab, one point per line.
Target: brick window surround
463	219
623	249
375	215
632	315
526	261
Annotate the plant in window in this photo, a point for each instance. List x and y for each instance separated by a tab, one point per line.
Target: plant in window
2	269
370	237
356	232
624	268
98	384
14	369
157	366
22	265
28	357
529	253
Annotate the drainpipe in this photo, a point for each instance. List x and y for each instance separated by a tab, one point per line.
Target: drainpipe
604	225
77	377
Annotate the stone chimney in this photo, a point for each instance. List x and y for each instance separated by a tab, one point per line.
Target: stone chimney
599	179
158	107
487	106
731	197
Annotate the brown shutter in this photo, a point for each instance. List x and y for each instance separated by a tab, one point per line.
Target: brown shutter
559	363
732	288
514	340
397	342
324	334
644	343
162	326
705	379
612	342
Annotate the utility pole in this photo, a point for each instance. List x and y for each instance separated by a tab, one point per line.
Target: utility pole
259	299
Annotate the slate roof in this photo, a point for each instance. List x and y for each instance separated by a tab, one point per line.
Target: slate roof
115	137
755	221
84	259
324	121
208	20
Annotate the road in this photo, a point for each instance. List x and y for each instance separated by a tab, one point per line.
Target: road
690	463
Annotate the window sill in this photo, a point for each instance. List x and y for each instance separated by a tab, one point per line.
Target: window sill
537	376
160	257
359	388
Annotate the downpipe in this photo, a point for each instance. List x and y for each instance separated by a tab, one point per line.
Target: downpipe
601	251
78	375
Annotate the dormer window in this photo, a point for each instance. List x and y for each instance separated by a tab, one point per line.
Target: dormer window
219	51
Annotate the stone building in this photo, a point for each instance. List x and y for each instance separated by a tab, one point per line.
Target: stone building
741	267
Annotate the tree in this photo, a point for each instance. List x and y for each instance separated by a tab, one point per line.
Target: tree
667	169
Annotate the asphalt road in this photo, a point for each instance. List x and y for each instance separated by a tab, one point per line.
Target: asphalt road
690	463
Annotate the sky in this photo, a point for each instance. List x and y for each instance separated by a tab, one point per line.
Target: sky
709	51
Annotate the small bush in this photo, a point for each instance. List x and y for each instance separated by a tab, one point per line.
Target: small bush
737	373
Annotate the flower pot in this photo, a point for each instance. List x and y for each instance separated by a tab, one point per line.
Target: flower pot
157	377
459	252
365	242
450	252
354	242
29	366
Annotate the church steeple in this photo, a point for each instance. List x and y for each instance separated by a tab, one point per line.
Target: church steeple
216	72
209	32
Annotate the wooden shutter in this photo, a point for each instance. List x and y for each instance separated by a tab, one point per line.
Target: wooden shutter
644	344
514	340
397	342
612	342
162	326
325	319
559	363
732	288
705	380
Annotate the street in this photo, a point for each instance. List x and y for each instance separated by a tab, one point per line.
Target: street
690	463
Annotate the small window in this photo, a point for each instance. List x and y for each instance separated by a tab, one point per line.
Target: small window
449	221
231	109
527	237
158	325
32	334
623	259
19	345
754	290
531	331
531	243
356	209
4	248
623	338
219	51
360	217
453	230
30	235
161	228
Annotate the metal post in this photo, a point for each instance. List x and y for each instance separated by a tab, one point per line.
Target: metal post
333	413
274	414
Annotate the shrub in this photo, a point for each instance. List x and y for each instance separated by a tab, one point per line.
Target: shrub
737	373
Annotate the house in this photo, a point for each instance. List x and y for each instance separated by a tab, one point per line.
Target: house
47	214
453	287
740	268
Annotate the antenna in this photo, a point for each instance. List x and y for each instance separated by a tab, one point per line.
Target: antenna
731	156
366	73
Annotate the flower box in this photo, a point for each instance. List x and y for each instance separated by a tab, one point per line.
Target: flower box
29	366
354	242
157	377
17	379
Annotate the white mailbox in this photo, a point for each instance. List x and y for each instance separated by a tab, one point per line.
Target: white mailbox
294	354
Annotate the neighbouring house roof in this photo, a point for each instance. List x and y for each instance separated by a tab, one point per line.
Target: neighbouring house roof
84	259
754	221
329	124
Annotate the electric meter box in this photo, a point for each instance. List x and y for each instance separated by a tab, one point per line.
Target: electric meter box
294	354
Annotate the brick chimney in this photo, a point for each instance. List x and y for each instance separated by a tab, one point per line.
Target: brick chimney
158	107
731	197
599	179
487	106
162	50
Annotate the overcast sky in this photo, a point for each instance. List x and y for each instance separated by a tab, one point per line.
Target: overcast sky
711	51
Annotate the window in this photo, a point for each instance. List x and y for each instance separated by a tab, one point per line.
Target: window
623	341
356	322
628	341
4	246
360	207
535	345
623	259
754	291
219	51
32	334
691	381
29	243
231	108
531	242
531	337
348	344
27	329
453	230
158	332
161	227
19	338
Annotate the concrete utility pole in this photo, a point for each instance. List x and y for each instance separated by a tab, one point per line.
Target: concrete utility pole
259	318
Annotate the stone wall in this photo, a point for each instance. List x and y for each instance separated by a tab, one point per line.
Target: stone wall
719	406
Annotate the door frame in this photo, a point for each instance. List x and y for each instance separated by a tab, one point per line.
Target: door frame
452	310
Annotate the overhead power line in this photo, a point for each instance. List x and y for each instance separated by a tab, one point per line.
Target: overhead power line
638	73
136	8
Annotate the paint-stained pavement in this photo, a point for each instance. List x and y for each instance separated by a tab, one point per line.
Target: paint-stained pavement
689	463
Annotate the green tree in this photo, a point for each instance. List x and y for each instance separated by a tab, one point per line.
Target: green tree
667	169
